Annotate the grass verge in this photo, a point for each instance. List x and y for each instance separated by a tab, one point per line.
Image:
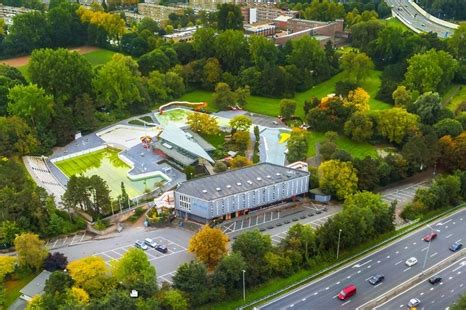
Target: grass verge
356	149
455	96
14	285
307	275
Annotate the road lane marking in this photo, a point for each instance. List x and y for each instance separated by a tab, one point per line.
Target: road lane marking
359	271
398	262
327	288
406	269
335	296
422	293
360	265
434	254
378	284
348	277
338	282
424	249
449	236
345	303
82	237
388	256
406	247
397	252
458	240
316	293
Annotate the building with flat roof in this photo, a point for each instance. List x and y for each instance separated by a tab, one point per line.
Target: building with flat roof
35	287
183	147
236	192
182	35
158	12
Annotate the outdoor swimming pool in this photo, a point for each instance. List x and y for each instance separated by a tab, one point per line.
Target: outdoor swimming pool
178	117
106	164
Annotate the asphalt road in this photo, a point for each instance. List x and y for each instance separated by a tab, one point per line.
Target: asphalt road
439	296
417	20
390	261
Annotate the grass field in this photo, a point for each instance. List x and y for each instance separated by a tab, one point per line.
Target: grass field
13	287
356	149
270	106
454	97
98	57
395	22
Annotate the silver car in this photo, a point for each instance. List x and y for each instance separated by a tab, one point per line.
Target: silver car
141	245
150	242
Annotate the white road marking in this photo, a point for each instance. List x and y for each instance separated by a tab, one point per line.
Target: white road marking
378	262
434	254
431	288
360	265
82	237
422	293
398	262
338	282
424	249
449	236
304	299
458	240
335	296
378	284
348	277
359	271
327	288
406	247
397	252
388	256
406	269
316	293
345	303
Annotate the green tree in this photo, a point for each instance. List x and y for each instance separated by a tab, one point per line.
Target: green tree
7	266
262	51
449	127
242	94
173	299
212	73
229	17
229	272
287	108
9	77
223	96
324	10
154	60
117	83
338	178
239	161
428	106
394	124
8	232
297	145
359	127
203	41
91	274
240	123
368	173
64	74
191	278
402	96
219	166
231	48
203	123
430	71
300	243
30	250
134	271
356	66
460	303
240	140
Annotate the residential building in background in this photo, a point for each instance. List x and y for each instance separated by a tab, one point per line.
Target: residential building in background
236	192
8	12
158	12
207	4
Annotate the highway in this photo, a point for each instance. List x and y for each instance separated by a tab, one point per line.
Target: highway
410	14
439	296
389	261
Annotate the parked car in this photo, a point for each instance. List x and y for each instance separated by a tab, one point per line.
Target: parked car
376	279
347	292
435	280
411	261
413	302
161	248
456	246
431	236
150	242
141	245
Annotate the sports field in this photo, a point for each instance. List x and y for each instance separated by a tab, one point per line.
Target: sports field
106	164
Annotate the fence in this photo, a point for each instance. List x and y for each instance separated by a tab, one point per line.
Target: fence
76	154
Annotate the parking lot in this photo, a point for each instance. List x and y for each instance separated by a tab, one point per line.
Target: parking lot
403	195
78	238
250	221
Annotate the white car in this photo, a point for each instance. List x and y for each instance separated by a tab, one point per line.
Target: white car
411	261
150	242
413	302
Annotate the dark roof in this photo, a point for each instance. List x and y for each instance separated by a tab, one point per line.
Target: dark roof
238	181
36	286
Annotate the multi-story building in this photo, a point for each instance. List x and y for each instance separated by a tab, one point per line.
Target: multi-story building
182	35
207	4
264	30
263	13
158	12
236	192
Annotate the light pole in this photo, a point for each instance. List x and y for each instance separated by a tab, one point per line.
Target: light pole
244	285
428	247
338	246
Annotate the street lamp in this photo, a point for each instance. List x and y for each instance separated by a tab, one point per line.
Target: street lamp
244	285
338	246
428	247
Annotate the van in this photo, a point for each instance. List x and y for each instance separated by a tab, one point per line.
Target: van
347	292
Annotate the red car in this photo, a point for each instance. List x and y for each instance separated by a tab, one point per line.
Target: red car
347	292
430	237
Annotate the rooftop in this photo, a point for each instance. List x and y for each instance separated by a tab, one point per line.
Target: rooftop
238	181
36	286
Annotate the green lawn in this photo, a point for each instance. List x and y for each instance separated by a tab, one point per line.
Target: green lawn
13	287
356	149
395	22
270	106
454	96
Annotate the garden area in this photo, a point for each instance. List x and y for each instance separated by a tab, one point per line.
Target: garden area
454	97
356	149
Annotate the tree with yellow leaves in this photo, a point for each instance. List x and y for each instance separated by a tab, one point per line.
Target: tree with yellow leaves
203	123
7	266
88	273
79	295
209	245
358	100
338	178
30	250
112	24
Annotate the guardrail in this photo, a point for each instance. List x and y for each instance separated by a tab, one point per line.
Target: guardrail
351	259
405	22
433	18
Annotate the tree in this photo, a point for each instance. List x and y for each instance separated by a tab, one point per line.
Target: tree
203	123
428	106
30	250
212	73
300	240
8	232
191	278
324	10
262	51
287	108
297	145
240	123
220	166
90	274
242	94
453	151
239	161
229	17
449	127
229	271
359	127
55	261
357	100
203	41
430	71
174	299
367	172
58	282
421	151
223	96
253	246
356	66
240	140
460	303
112	24
154	60
7	266
338	178
395	123
402	96
457	42
64	74
116	83
231	49
363	33
134	271
209	245
9	77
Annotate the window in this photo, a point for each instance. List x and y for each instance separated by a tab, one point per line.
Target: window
185	203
